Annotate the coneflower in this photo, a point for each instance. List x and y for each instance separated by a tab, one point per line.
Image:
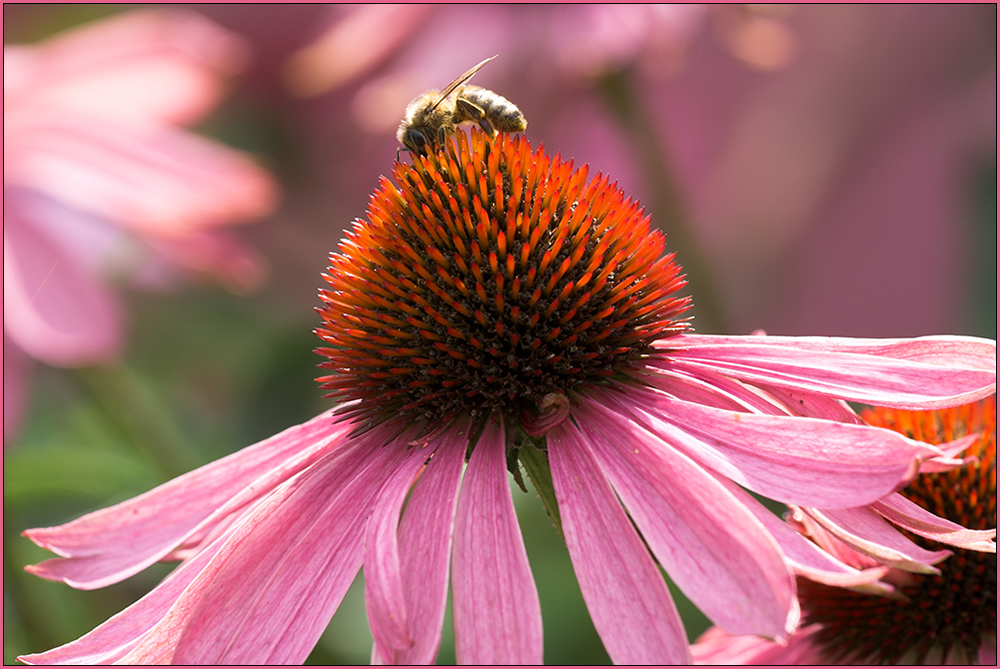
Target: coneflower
497	307
948	617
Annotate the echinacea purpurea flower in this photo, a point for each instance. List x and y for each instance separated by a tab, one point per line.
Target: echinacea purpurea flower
495	306
948	617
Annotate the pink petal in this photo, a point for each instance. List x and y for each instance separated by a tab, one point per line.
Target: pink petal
948	461
109	545
866	532
272	589
425	536
715	389
384	598
805	557
809	527
920	373
709	388
918	520
717	646
782	457
625	593
157	180
710	545
498	619
53	309
162	64
814	406
117	636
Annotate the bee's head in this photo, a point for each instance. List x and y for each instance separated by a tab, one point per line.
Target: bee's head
414	139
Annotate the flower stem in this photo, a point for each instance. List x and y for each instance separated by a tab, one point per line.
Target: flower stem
536	464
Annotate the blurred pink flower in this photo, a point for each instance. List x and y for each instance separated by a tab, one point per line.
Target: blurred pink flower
99	181
442	351
944	617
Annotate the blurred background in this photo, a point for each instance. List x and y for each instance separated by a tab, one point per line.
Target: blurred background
175	177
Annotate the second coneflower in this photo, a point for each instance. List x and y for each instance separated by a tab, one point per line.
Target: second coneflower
495	307
948	617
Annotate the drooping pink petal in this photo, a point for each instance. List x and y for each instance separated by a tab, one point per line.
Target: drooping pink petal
708	388
156	180
54	309
920	373
949	460
710	545
117	636
425	539
716	389
625	593
220	522
805	557
384	597
498	618
866	532
782	457
109	545
272	589
919	520
815	406
162	64
808	560
809	527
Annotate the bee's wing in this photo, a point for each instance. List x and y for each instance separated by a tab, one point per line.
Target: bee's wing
450	88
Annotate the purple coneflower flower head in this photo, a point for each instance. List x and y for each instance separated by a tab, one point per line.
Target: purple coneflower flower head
496	307
946	617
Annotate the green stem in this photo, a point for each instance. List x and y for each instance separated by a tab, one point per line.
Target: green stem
536	465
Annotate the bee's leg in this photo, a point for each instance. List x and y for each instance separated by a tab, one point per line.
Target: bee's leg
475	113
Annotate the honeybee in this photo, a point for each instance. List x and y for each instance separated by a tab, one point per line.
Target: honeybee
431	116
